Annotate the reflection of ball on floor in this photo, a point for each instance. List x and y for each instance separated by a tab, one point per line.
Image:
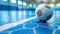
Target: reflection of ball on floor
44	12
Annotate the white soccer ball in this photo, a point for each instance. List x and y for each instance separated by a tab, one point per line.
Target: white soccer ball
44	12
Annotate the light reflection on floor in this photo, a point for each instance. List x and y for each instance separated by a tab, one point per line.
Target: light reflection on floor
13	16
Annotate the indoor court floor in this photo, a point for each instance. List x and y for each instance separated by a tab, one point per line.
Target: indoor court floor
25	22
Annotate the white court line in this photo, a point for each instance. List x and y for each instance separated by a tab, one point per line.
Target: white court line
59	27
34	31
10	25
54	31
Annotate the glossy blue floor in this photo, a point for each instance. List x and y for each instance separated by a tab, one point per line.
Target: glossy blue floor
25	22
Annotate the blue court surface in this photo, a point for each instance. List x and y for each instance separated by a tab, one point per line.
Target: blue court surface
25	22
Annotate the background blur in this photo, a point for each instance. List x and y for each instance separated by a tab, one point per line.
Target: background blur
15	10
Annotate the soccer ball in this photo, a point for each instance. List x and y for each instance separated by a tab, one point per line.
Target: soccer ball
44	12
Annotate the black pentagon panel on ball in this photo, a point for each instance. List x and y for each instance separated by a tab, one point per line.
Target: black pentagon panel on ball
48	7
43	21
39	13
49	16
